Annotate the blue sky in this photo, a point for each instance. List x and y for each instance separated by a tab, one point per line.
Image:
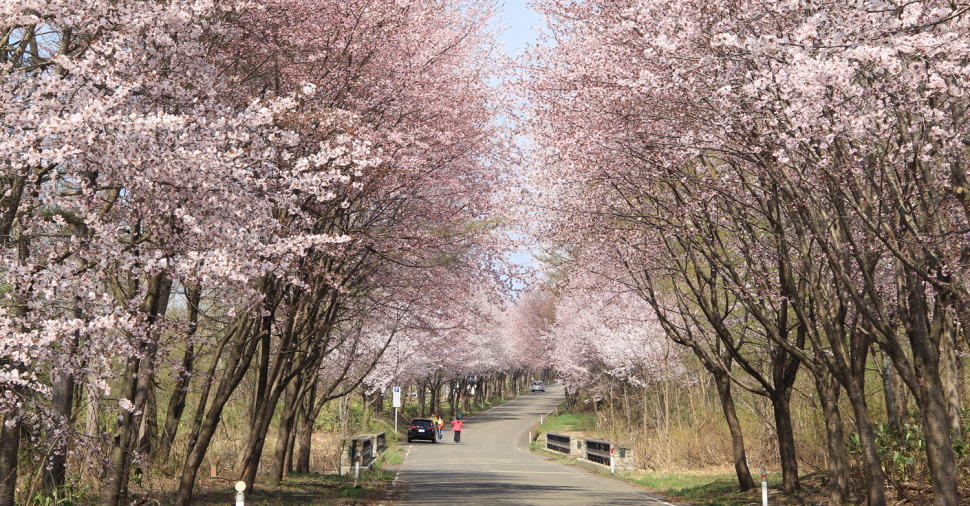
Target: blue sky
519	23
518	19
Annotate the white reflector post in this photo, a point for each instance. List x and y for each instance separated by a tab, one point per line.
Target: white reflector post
240	496
764	487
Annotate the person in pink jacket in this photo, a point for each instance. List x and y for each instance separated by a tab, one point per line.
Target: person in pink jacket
456	426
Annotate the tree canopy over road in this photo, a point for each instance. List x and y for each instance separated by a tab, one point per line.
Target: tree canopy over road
217	216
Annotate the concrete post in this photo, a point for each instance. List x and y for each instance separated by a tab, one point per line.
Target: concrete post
357	470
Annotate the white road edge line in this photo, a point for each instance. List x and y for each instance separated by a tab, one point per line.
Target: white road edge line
400	467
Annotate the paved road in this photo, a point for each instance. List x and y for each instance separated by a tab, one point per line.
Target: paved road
493	465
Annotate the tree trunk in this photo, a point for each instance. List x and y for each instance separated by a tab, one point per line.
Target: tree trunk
872	465
147	419
308	417
421	399
342	414
895	414
262	378
63	403
939	449
176	405
9	450
436	396
723	382
257	439
950	378
291	445
205	424
930	393
828	392
176	402
451	400
781	405
92	428
666	404
378	403
139	374
287	419
148	426
302	464
117	472
279	380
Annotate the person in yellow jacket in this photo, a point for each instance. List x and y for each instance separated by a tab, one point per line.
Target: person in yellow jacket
439	425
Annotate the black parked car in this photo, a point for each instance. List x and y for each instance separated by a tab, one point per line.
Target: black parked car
421	428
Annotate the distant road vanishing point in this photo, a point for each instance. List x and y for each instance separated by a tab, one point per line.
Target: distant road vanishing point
493	465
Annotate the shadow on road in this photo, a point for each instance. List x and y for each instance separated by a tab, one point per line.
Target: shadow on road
443	487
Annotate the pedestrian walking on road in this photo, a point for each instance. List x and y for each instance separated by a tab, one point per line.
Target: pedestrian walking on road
439	425
456	425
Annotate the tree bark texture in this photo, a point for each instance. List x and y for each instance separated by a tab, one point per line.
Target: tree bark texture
745	481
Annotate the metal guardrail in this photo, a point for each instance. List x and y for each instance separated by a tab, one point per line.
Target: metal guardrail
362	449
598	451
558	442
367	451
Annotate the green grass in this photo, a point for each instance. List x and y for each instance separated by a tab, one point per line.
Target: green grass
568	422
370	484
394	456
670	482
379	423
309	488
702	488
312	488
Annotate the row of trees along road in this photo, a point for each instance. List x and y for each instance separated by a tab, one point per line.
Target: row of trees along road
784	184
212	208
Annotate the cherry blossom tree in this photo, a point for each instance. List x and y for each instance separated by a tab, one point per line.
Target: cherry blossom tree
279	186
805	159
603	333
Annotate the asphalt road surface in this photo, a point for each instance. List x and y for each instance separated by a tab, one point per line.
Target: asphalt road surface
493	465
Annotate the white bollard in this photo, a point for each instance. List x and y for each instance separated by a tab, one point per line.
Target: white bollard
240	496
764	487
612	464
356	471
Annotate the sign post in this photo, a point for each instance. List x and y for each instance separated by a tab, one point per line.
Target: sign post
396	398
